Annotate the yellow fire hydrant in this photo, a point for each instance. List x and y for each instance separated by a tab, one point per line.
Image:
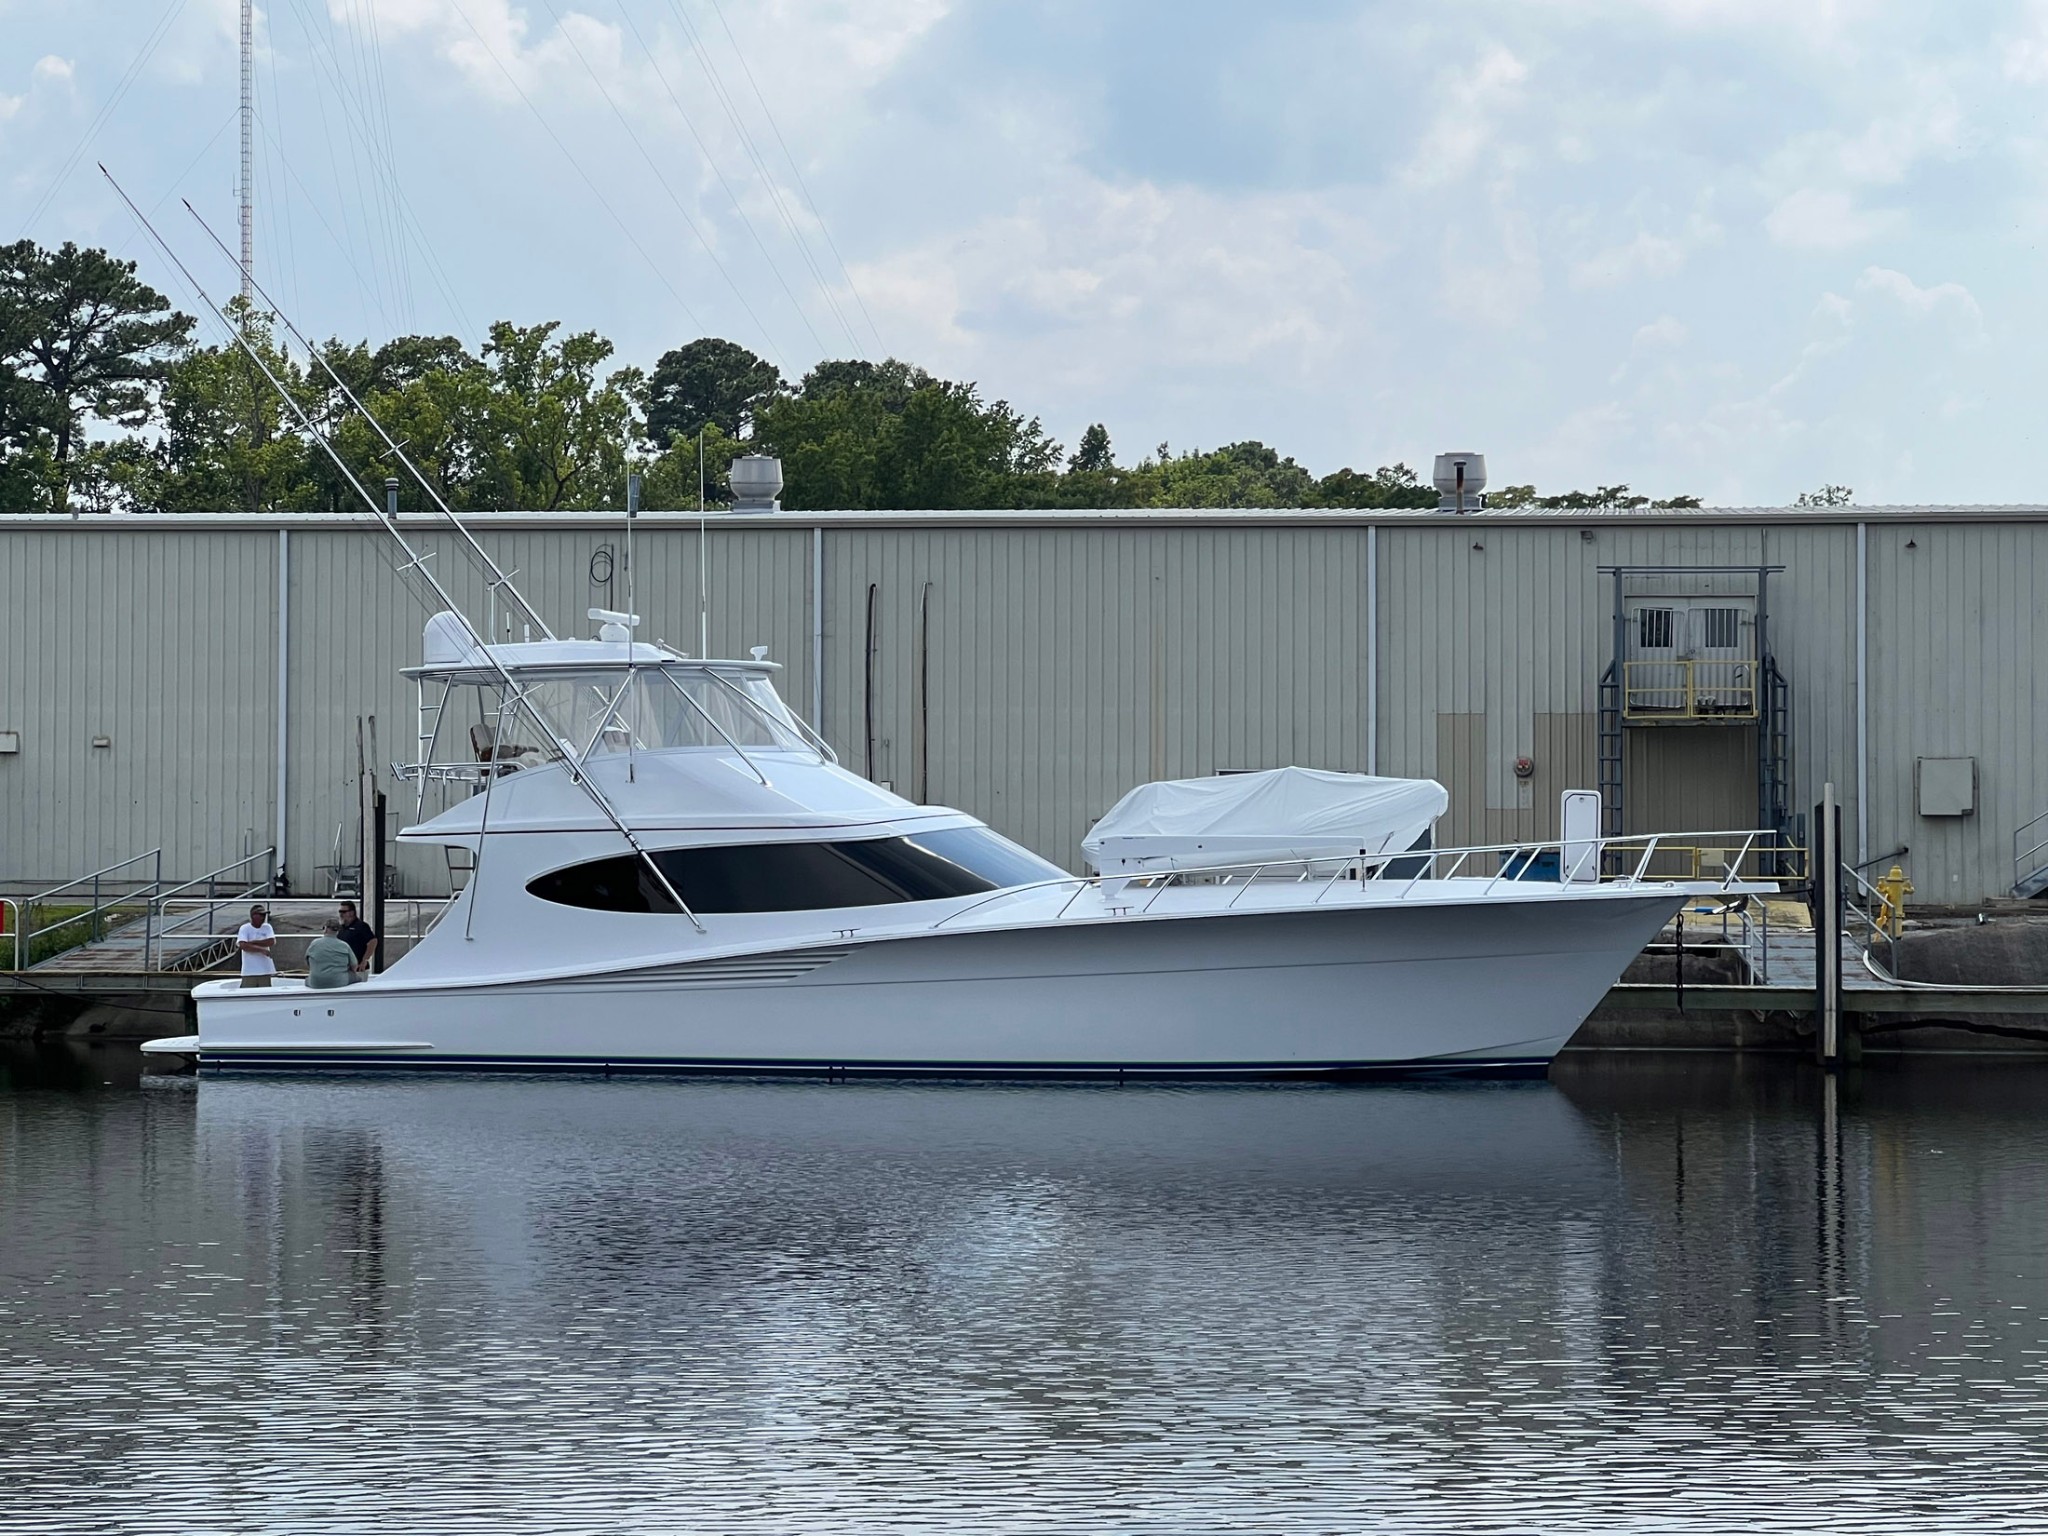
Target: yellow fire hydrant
1894	888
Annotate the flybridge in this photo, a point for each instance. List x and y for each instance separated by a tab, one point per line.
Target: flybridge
490	710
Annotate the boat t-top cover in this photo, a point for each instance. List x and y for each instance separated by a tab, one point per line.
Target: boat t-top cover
1253	818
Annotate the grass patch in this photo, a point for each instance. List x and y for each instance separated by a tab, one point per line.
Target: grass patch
69	927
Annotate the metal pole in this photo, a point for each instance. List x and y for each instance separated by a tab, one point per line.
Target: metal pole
1372	648
1827	926
703	582
632	513
284	687
248	151
1862	694
818	629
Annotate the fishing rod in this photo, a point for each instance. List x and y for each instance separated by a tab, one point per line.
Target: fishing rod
416	562
499	579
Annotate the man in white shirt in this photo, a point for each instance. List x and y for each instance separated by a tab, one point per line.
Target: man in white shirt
256	940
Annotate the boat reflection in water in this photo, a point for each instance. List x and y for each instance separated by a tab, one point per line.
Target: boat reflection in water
1684	1291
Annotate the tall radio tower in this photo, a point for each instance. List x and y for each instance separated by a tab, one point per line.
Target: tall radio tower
248	148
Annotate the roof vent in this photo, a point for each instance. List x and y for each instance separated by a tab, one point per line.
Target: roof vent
1460	477
756	482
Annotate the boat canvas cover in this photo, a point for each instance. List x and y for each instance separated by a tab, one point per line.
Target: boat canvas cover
1252	818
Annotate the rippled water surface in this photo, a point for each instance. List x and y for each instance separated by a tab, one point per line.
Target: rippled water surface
1679	1293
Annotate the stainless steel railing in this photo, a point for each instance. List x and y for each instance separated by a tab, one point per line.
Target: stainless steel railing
1725	852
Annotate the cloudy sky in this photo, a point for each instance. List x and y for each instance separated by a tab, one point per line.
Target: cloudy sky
1738	248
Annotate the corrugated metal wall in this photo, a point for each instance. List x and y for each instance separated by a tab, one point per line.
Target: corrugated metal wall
164	643
1957	639
1034	675
1029	672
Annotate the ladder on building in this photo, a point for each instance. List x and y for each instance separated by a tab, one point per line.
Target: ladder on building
1611	749
1774	757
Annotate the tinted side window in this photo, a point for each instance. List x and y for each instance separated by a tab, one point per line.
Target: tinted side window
605	885
801	877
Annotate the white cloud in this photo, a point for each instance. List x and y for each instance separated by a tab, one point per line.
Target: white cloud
52	68
1465	123
1647	255
1541	192
1816	219
1949	299
1140	278
1664	331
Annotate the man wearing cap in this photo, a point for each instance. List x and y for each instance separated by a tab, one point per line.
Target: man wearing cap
256	940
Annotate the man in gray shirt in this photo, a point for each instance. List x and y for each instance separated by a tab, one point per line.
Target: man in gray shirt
329	960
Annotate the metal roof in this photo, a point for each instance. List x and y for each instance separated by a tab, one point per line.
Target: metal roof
1057	517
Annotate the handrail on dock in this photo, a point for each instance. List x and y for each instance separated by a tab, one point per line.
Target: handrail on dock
25	933
153	926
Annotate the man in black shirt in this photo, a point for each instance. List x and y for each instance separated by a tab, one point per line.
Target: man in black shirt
359	936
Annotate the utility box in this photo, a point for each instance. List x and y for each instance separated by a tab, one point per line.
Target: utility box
1947	785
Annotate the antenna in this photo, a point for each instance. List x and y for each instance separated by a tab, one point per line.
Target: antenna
248	150
499	577
632	513
703	584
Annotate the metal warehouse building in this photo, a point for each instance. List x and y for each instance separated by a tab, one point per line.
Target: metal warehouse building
195	682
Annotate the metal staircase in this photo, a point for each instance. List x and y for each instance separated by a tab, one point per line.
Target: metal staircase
1670	699
2030	858
1774	754
1611	748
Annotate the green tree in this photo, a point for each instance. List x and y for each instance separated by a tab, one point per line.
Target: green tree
669	479
707	383
228	440
866	435
92	336
552	433
1391	485
1247	474
1826	496
1607	498
429	393
1093	456
25	463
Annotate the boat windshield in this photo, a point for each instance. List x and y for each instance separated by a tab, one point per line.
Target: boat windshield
651	709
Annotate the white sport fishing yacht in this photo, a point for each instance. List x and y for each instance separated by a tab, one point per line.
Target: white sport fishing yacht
672	871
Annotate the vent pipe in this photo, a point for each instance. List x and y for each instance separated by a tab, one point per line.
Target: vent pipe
756	483
1460	477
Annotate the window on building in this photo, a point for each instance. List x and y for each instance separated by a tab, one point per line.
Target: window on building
1653	629
802	877
1721	628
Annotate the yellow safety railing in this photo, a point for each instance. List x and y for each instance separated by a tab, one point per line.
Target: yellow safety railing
1689	690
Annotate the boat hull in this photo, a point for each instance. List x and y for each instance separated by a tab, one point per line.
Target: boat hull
1465	987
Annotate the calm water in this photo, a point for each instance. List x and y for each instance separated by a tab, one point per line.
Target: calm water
1677	1294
